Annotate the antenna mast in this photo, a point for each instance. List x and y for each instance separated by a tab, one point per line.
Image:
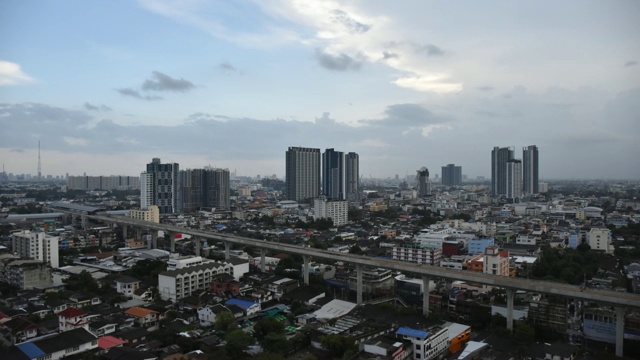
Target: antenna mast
39	163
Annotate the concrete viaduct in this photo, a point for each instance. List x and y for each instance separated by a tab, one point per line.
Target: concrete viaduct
620	301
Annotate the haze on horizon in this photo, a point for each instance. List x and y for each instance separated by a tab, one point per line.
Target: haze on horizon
107	86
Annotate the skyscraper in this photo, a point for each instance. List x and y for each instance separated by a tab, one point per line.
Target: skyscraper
333	175
424	186
159	185
352	171
302	173
514	180
530	170
451	175
499	159
204	188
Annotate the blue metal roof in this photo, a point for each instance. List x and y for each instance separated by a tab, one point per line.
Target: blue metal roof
420	334
31	350
242	303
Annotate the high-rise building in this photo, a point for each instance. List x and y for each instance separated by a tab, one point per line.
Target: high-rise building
302	173
499	159
352	175
452	175
530	170
159	185
204	188
333	175
36	246
424	186
514	180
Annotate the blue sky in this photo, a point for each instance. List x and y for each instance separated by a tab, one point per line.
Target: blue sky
105	86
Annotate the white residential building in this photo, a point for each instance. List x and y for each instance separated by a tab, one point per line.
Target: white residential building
331	209
600	239
36	246
208	314
182	282
418	253
126	285
495	262
427	344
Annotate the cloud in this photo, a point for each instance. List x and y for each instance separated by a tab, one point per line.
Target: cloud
339	62
92	107
428	83
430	50
136	94
17	151
12	74
75	141
485	88
163	82
389	55
407	116
341	17
227	66
630	63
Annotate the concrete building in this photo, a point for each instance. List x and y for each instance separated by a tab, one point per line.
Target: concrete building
530	170
126	285
333	175
452	175
103	183
179	283
374	281
499	159
36	246
514	180
495	262
600	239
420	254
424	185
427	345
159	185
331	209
302	173
55	347
477	246
151	214
26	274
206	188
352	176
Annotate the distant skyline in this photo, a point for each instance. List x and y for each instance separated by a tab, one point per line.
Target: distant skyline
107	86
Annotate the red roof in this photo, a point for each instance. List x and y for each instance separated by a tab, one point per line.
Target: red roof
71	312
107	342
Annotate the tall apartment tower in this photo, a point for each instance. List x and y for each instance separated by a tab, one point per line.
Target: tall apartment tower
530	170
204	188
514	180
452	175
302	173
352	175
499	159
424	186
159	185
333	175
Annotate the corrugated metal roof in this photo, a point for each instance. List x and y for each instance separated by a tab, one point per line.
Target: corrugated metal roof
406	331
31	350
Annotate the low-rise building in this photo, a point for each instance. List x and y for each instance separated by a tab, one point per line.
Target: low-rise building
26	274
180	283
59	346
418	253
126	285
427	344
152	214
144	317
72	318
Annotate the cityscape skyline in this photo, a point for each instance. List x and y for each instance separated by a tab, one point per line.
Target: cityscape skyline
397	84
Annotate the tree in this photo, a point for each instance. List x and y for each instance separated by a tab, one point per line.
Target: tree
276	343
266	326
225	321
237	342
337	345
82	282
268	356
355	249
524	333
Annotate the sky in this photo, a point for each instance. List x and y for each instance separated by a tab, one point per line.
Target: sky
105	86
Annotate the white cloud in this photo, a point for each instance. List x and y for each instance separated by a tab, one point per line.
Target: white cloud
75	141
435	83
374	143
12	74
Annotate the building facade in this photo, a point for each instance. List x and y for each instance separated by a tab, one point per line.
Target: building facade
600	239
352	176
176	284
159	185
333	175
499	158
530	170
514	180
495	262
418	253
302	173
205	188
424	186
26	274
331	209
152	214
36	246
452	175
103	183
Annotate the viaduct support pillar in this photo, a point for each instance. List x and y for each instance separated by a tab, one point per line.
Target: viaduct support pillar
510	295
172	241
227	248
124	233
619	331
305	269
150	238
197	245
154	237
138	234
263	264
425	295
359	283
